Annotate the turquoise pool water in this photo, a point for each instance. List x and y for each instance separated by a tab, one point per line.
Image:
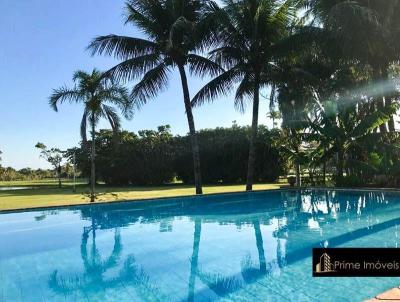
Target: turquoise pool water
239	247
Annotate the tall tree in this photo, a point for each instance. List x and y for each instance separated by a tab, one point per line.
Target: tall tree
176	30
98	94
247	38
274	115
53	156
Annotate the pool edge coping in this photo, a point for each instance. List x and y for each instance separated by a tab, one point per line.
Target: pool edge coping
88	204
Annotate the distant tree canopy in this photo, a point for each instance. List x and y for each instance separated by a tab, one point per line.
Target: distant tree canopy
157	157
11	174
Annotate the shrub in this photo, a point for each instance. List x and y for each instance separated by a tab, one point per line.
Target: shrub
349	181
224	154
128	158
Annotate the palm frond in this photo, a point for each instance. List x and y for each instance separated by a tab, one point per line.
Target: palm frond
209	27
133	68
64	94
346	14
202	66
134	15
227	56
305	37
216	87
122	47
95	90
80	76
119	96
244	90
112	116
153	82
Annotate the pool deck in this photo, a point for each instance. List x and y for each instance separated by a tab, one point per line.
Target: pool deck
390	295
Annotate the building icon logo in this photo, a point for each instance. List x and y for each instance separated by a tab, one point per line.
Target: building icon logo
324	265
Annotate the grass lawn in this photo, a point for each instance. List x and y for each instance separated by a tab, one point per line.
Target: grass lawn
45	193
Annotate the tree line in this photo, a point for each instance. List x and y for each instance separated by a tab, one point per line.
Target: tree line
11	174
329	67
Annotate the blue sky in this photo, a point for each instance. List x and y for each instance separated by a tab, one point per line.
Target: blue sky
43	43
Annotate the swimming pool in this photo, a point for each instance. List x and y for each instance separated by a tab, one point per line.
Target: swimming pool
235	247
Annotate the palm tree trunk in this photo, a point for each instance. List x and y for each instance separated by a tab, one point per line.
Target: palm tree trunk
311	175
378	75
388	99
298	175
382	128
328	206
192	129
195	258
340	164
391	125
92	164
59	176
253	137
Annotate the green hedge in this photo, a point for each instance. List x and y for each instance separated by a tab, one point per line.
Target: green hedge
224	154
157	157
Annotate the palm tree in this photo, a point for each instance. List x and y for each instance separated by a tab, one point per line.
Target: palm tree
176	30
274	115
247	38
97	93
